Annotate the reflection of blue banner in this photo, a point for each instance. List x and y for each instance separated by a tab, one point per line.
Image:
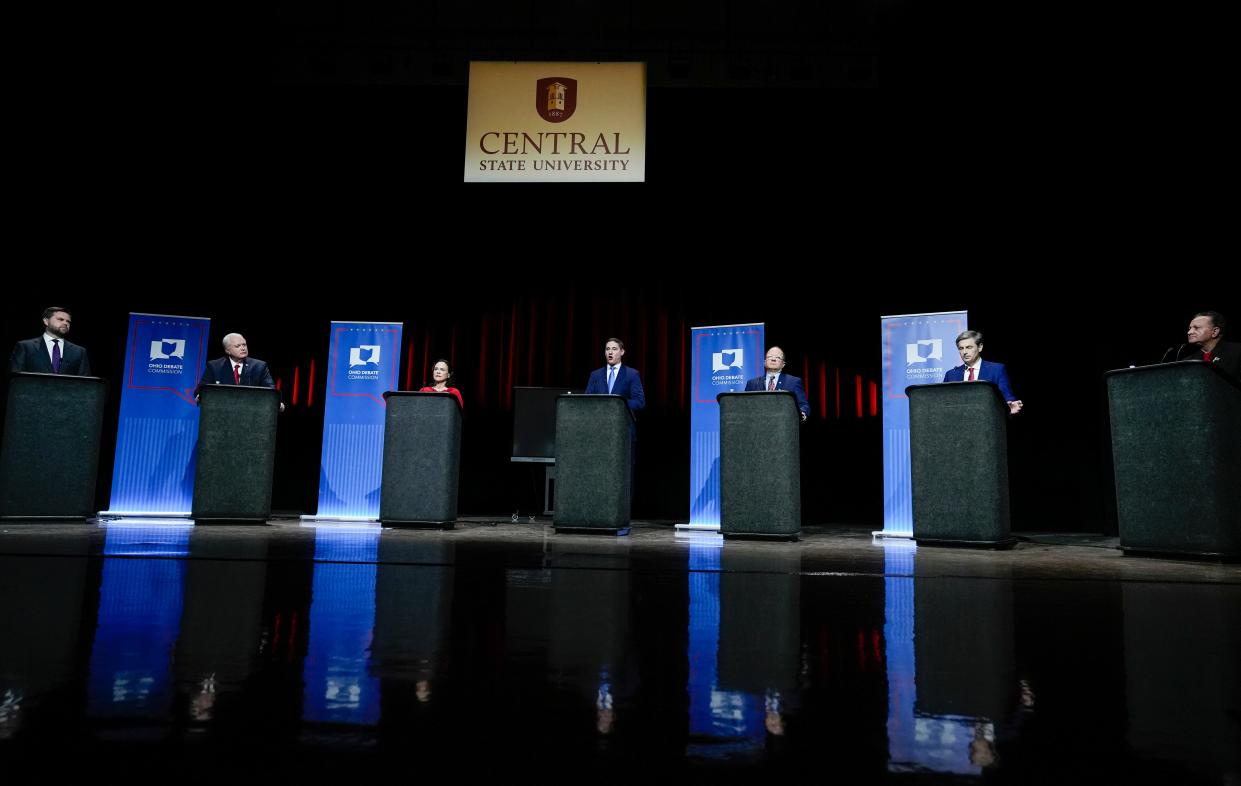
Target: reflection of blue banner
139	620
917	350
714	715
154	470
364	363
898	639
339	688
724	357
917	742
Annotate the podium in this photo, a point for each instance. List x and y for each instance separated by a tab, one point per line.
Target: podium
50	457
236	453
1176	448
594	464
760	465
958	449
421	459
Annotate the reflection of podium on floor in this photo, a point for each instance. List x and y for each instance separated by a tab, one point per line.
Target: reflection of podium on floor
760	620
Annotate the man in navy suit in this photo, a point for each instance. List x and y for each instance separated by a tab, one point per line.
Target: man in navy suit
237	367
974	368
51	353
774	378
617	378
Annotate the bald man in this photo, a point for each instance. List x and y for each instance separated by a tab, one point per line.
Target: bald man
237	367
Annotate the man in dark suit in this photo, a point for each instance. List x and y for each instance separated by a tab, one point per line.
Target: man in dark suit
51	353
975	369
617	378
1206	333
774	378
237	367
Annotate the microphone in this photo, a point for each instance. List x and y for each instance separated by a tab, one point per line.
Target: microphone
1175	357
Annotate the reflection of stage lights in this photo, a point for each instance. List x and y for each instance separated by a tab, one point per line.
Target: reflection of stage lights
703	537
147	537
10	713
342	525
357	523
139	517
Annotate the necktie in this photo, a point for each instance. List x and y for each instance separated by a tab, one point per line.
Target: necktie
611	377
970	378
1207	356
771	383
237	374
55	356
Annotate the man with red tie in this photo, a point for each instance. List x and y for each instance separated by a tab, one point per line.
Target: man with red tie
774	378
237	367
974	368
1206	333
51	353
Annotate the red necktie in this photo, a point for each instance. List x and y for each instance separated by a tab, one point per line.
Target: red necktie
236	375
771	383
970	378
1207	356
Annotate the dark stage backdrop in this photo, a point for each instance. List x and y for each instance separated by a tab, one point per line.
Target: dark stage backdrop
501	333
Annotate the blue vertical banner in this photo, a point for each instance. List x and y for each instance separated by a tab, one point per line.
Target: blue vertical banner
154	470
917	350
723	358
364	362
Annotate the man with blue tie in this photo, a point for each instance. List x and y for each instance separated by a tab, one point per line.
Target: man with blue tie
774	378
617	378
975	369
620	380
51	353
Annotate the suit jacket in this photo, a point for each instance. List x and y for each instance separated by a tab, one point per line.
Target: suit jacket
254	373
628	384
785	382
987	372
1226	357
31	355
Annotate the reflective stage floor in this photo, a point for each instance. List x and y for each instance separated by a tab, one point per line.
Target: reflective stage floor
141	652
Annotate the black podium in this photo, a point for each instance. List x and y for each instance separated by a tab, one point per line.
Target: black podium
422	459
236	453
1176	447
594	464
760	465
958	450
50	455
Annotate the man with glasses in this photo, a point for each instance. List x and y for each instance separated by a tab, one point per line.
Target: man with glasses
774	378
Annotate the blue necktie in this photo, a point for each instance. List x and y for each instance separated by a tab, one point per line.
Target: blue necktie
55	356
611	377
